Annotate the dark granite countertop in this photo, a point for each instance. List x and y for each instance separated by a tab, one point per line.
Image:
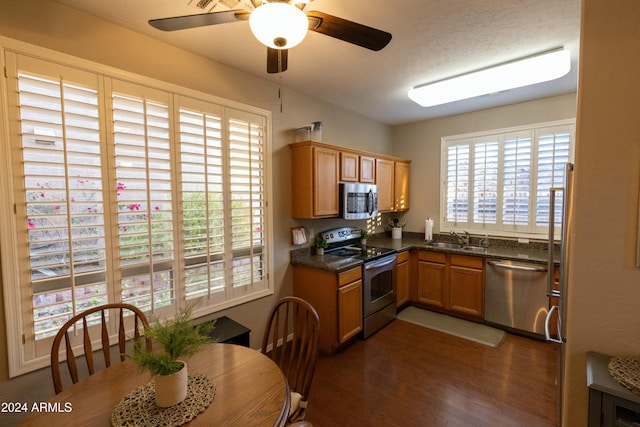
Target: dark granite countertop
499	249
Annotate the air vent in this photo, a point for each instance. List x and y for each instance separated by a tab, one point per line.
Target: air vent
215	5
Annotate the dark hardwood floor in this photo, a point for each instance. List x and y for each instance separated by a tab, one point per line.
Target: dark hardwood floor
408	375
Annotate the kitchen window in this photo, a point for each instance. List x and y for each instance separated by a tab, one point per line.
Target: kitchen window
125	191
498	182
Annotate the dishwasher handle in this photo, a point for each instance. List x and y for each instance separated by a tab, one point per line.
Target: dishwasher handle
508	266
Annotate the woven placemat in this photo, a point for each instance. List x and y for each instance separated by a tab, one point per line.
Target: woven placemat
139	408
626	370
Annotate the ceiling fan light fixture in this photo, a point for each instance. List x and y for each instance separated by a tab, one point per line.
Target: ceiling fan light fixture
531	70
278	25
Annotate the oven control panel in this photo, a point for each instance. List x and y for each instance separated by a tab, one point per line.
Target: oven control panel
338	235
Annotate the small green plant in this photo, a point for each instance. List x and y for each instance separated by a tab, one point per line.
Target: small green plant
321	242
395	223
364	233
178	338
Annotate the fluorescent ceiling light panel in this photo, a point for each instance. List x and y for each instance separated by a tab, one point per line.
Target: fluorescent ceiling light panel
528	71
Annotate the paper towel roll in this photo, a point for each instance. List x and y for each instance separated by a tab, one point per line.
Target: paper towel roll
428	229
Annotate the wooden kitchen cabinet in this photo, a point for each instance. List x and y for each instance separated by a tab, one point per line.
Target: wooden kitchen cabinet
402	278
392	179
314	180
466	286
385	172
432	279
401	185
451	283
338	300
349	310
355	167
367	169
317	168
349	167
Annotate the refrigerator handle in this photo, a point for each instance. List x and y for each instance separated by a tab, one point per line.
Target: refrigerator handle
546	326
551	251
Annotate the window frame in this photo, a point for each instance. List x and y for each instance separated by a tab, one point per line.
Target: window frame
17	306
530	230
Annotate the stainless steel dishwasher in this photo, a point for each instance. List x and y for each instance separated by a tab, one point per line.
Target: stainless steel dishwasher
516	296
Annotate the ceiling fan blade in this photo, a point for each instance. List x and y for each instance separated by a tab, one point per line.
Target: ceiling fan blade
199	20
348	31
277	60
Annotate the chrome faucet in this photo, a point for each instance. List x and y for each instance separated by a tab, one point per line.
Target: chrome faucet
464	241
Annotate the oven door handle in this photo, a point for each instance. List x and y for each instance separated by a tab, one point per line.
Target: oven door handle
380	263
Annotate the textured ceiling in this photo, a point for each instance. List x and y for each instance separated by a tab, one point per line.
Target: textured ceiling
432	40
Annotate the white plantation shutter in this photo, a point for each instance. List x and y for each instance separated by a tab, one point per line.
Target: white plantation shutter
457	182
485	182
516	181
61	197
223	200
248	204
554	152
203	179
143	191
510	173
127	192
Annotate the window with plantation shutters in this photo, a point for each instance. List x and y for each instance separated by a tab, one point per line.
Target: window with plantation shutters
499	181
127	191
223	190
62	199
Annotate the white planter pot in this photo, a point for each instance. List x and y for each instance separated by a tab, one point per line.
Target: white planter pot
171	389
319	251
396	233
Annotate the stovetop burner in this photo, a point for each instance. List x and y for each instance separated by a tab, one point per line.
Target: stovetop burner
344	242
365	253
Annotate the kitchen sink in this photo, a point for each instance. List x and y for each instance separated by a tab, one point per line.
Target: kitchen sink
445	245
476	249
456	246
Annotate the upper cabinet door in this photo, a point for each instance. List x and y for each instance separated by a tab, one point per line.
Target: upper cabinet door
385	172
348	167
401	189
367	169
325	182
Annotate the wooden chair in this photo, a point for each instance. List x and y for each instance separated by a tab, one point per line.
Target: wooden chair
139	320
292	339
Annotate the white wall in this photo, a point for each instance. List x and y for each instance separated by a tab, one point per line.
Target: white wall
604	284
421	142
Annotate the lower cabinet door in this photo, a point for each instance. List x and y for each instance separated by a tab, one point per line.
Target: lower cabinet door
466	291
431	283
349	310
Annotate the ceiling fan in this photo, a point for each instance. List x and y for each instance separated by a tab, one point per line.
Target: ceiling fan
280	25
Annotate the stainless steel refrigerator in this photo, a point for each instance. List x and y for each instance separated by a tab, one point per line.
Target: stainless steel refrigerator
561	293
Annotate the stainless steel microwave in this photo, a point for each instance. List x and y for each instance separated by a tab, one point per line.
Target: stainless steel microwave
358	201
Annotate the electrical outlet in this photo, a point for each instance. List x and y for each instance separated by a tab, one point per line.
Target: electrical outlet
523	240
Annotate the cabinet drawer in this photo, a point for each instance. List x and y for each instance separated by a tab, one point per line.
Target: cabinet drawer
349	276
403	256
438	257
467	261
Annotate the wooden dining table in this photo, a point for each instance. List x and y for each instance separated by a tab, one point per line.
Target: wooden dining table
250	390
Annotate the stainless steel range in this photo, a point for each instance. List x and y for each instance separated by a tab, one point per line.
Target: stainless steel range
378	271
